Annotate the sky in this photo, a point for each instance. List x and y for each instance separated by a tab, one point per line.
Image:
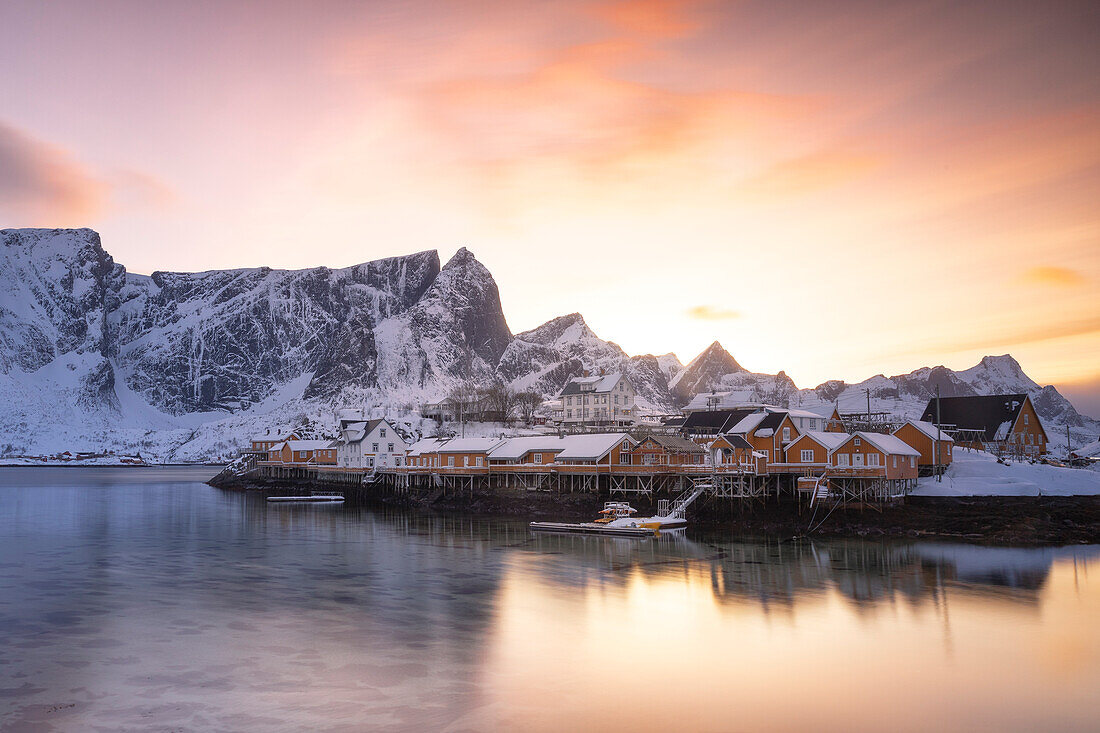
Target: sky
834	189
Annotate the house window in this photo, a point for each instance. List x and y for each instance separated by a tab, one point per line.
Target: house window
1025	418
895	461
767	455
912	462
389	447
450	460
842	459
855	442
569	413
569	400
382	433
397	461
538	458
477	461
872	459
786	434
813	424
374	447
807	455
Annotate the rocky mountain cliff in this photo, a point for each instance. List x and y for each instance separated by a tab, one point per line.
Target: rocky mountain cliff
187	365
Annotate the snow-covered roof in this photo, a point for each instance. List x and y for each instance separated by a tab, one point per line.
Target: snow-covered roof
515	448
591	447
305	444
469	445
748	423
831	441
808	414
278	436
1092	450
603	383
889	444
425	445
928	429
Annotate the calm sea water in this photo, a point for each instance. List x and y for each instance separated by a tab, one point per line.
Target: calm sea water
141	599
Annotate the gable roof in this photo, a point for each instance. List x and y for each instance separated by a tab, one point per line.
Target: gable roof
305	444
674	443
591	447
716	420
425	445
988	413
888	444
469	445
734	441
929	429
603	383
513	449
828	441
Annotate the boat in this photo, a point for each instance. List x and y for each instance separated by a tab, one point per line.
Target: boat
316	497
616	518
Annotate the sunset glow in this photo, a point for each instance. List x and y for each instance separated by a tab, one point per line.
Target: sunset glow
921	179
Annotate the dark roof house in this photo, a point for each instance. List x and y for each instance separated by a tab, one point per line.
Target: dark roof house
993	415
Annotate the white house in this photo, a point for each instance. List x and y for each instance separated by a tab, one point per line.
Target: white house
370	444
607	399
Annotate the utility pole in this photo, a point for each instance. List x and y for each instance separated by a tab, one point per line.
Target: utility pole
939	473
868	391
1068	446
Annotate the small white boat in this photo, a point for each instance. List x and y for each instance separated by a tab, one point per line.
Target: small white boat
317	497
616	519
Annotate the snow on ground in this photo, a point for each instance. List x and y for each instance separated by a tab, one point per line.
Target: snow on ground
979	474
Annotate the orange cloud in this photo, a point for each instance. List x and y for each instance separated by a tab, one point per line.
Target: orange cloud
44	185
712	313
654	18
1056	276
809	173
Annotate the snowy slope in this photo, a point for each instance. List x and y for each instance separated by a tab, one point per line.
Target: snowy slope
979	474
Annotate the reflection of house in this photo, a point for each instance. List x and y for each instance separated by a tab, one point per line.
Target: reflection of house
607	399
995	422
302	452
933	444
369	444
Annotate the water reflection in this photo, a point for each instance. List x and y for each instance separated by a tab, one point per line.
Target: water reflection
145	599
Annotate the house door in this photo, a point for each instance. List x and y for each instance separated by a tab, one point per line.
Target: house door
857	460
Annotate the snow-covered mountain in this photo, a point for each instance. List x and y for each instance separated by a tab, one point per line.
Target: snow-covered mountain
545	358
187	365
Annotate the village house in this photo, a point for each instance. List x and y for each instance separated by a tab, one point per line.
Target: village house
875	454
768	432
667	450
814	448
534	451
606	399
997	423
732	452
423	453
933	444
466	453
597	450
369	444
267	441
304	452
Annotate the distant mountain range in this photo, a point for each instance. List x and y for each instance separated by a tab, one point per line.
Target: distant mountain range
184	366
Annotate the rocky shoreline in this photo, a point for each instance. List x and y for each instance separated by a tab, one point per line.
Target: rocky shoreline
991	520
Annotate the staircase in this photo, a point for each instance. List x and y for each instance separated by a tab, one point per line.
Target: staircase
820	492
679	505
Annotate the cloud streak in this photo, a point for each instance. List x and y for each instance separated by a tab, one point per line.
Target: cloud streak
712	313
44	185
